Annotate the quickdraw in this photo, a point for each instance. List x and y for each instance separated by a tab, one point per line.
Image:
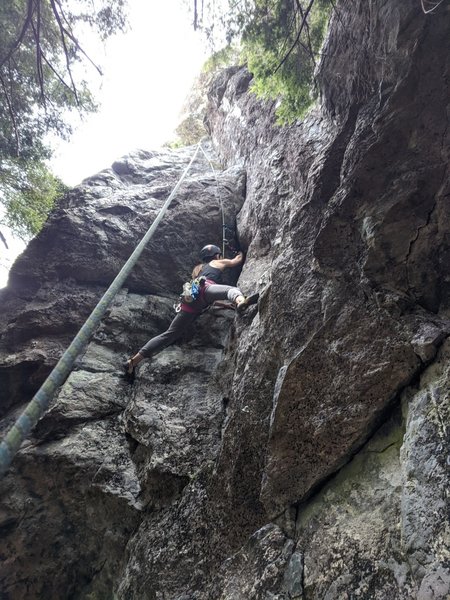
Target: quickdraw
191	292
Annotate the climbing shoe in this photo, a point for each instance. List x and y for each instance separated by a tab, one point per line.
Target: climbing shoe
249	300
129	375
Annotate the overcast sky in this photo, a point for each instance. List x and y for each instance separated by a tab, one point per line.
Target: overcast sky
147	75
148	72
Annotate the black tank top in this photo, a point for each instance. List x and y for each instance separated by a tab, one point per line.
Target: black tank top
211	273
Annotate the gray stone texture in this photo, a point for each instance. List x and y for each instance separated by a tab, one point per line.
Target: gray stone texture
299	451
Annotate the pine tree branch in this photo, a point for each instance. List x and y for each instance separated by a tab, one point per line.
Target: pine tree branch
37	41
308	47
195	15
62	32
74	40
2	238
55	72
11	114
291	26
302	25
21	36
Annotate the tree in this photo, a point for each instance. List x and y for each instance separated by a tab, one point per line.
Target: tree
28	193
281	46
41	84
39	53
280	42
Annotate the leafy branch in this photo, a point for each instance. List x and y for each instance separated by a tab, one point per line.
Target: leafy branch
38	51
303	23
32	25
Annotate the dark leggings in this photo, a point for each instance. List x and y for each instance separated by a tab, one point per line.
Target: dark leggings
184	319
176	328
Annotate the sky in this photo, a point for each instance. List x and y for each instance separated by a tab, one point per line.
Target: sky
147	74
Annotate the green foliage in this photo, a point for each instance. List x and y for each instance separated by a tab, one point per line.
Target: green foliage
227	56
281	42
41	84
39	53
174	144
29	191
191	130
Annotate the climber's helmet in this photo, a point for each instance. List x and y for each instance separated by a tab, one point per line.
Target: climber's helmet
209	252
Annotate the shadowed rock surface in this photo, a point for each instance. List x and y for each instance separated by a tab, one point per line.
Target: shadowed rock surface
298	452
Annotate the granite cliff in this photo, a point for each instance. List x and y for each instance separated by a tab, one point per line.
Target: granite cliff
299	452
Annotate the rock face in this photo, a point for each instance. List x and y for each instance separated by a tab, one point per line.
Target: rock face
298	452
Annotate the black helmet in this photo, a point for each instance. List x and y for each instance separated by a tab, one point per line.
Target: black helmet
209	252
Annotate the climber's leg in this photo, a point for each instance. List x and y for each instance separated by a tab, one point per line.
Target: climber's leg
176	328
159	342
226	292
223	292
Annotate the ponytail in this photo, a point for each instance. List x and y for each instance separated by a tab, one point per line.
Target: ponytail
197	270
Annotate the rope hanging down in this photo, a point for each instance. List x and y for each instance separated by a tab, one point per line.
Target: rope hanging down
39	404
224	227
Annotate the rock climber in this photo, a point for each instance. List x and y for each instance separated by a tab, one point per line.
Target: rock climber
211	268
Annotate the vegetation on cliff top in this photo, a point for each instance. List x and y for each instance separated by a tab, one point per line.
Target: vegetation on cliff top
280	41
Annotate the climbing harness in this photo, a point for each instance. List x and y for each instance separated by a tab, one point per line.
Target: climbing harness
191	292
192	289
39	404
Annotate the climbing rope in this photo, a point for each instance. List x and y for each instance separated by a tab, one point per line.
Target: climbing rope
39	404
224	227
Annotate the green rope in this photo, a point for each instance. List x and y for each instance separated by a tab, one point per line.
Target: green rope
39	404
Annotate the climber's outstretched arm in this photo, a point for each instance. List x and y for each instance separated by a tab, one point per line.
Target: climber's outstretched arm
225	263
